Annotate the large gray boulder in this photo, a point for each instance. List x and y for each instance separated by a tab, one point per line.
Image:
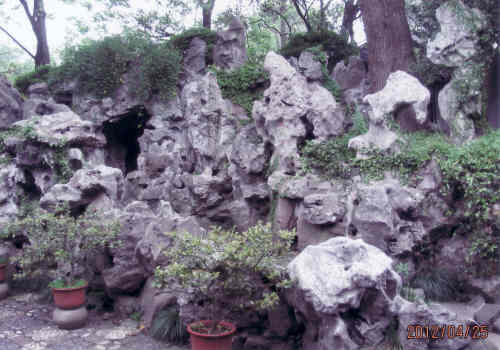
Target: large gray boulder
35	106
344	287
387	216
194	59
291	109
64	128
10	176
310	66
10	104
401	90
230	48
456	45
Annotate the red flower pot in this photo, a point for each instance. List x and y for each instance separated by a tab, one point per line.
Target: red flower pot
69	298
3	272
203	341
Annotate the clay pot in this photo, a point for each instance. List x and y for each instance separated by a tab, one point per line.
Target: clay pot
69	298
203	341
70	319
3	272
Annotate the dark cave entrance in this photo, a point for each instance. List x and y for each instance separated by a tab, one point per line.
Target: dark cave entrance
122	134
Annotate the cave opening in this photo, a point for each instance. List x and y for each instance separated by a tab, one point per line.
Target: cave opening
122	135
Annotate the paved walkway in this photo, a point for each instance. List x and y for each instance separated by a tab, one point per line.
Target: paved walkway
25	325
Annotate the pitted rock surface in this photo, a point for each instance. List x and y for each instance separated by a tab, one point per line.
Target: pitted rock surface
25	325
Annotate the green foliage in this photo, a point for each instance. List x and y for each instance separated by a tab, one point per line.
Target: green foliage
57	238
223	265
181	41
99	66
243	85
335	46
167	326
438	285
328	83
60	284
470	170
23	82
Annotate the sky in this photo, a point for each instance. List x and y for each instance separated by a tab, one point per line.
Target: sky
61	29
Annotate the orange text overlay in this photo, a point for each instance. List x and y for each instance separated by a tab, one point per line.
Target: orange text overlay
430	332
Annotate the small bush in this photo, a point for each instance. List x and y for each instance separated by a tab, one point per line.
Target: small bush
99	66
182	40
438	285
23	82
335	46
167	326
243	85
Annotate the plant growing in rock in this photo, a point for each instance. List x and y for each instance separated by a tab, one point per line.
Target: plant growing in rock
220	269
57	239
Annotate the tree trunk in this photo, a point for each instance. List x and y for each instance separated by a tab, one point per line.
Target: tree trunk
350	11
37	20
389	40
283	25
207	9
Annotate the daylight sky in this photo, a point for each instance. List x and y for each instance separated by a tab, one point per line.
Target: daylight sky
61	29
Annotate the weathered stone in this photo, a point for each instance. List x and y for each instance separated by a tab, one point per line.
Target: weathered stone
279	321
386	216
62	194
100	179
10	175
153	300
339	275
291	109
489	287
488	314
70	319
75	159
64	127
249	152
349	76
39	90
310	66
255	342
427	315
401	89
456	45
10	104
230	48
194	59
322	209
4	290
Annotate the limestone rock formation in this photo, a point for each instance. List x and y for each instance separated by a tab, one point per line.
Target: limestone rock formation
293	110
401	90
194	59
230	48
343	284
310	66
10	104
456	46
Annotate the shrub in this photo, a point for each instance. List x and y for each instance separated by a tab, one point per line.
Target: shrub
167	326
23	82
243	85
58	239
182	40
335	46
220	267
99	66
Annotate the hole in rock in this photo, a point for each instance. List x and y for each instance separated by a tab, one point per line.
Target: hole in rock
493	88
301	142
65	98
122	135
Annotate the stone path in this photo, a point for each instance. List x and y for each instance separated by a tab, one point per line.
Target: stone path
25	325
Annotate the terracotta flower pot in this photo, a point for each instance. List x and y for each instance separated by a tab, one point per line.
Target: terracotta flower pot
69	298
203	341
3	272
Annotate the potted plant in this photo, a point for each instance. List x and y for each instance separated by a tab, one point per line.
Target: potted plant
58	239
220	269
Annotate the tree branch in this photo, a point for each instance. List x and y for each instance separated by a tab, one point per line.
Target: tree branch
301	15
281	16
27	10
17	42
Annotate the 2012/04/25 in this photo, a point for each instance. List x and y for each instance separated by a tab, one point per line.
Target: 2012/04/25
450	331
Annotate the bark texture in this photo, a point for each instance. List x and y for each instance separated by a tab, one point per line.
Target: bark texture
389	40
